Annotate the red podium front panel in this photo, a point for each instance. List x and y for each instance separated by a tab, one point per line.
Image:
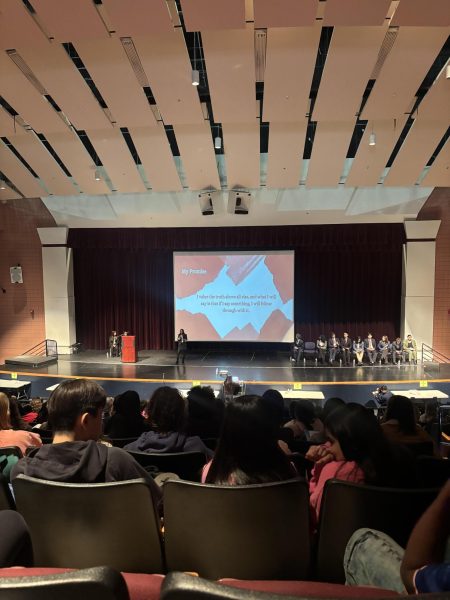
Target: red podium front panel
128	348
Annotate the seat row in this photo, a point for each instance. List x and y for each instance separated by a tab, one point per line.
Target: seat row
246	532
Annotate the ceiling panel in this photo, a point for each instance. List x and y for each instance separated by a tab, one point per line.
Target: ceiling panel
156	157
201	15
290	59
355	12
7	126
138	17
285	157
370	161
109	67
230	61
436	102
285	13
422	13
18	26
439	173
413	53
8	194
197	153
19	175
117	160
73	154
61	78
41	161
241	143
68	21
330	147
26	100
166	63
350	60
415	152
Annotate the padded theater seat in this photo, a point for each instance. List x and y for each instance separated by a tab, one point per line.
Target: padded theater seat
141	586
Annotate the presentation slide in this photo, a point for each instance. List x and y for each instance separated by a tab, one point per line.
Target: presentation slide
237	296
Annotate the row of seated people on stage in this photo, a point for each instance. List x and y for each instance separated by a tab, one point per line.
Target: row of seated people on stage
345	350
255	444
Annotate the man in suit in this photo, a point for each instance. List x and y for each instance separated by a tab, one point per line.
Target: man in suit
346	347
370	346
410	348
333	348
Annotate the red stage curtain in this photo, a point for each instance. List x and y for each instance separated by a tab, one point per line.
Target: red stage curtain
347	277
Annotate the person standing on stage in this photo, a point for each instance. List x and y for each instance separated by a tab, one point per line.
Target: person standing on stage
114	344
346	346
182	347
333	347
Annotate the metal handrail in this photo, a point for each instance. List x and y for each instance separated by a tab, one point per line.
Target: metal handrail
429	353
45	348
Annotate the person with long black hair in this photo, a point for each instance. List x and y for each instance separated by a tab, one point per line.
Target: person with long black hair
400	424
357	451
248	451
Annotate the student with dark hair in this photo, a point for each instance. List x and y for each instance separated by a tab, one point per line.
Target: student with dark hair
330	405
14	437
205	412
273	402
400	423
248	451
15	418
75	411
304	422
358	452
126	420
321	346
167	415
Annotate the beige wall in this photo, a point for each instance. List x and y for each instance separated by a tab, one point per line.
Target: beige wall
438	207
22	323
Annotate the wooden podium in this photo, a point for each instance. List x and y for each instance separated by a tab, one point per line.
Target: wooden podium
128	348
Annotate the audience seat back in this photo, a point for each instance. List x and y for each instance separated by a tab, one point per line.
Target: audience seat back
347	507
432	471
101	583
248	532
6	498
187	465
87	525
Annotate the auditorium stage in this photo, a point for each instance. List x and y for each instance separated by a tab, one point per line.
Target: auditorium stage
252	367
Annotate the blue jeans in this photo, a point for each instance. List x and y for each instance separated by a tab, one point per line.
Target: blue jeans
372	558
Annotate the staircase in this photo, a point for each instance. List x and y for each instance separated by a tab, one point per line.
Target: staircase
42	354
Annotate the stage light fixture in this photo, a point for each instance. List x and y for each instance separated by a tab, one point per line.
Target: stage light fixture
2	185
97	175
218	142
195	77
447	72
372	139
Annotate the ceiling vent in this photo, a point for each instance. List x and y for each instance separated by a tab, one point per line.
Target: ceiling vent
135	61
260	53
386	47
22	65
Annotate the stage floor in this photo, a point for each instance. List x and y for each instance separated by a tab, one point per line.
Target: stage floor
258	368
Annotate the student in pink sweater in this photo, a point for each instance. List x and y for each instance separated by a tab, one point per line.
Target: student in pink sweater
357	451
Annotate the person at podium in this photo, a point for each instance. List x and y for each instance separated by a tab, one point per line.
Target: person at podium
182	347
114	344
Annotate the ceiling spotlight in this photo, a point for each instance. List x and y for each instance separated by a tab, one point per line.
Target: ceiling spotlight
447	72
218	142
97	175
372	139
2	185
195	77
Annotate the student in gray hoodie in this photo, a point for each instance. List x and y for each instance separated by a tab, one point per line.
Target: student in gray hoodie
167	410
75	413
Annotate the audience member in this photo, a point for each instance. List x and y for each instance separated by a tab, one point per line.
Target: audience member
126	420
41	421
205	412
248	451
380	397
304	423
400	425
75	410
14	437
372	558
330	405
167	410
357	451
15	418
30	411
274	404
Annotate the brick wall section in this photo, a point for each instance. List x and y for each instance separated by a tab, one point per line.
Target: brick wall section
20	328
438	207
